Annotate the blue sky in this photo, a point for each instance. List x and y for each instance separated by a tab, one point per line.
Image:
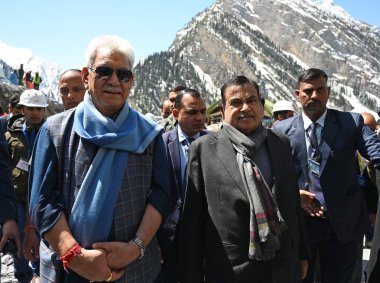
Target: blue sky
60	30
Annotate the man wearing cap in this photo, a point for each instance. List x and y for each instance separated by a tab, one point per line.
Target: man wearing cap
282	110
21	134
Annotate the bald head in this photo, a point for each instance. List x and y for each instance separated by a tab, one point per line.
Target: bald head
166	108
369	120
71	88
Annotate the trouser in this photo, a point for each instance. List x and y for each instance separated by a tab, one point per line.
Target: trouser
22	271
336	260
358	269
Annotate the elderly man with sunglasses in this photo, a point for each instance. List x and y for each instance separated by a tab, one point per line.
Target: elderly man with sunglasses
99	185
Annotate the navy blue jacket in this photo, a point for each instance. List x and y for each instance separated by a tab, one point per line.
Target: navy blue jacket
167	234
342	135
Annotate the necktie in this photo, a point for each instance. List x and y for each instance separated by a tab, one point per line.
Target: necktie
315	185
316	154
190	140
186	145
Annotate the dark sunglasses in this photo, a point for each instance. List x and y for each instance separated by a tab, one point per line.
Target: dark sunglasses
104	73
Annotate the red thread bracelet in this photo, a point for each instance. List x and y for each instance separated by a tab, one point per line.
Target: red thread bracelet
30	228
68	256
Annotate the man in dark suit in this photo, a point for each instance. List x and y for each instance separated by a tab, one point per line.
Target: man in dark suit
190	112
242	219
373	267
324	142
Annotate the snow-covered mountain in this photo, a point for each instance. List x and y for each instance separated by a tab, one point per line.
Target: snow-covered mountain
270	41
11	58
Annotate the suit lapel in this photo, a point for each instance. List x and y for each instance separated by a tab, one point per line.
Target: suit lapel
226	154
173	146
329	134
297	137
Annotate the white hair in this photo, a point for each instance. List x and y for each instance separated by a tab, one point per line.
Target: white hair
111	43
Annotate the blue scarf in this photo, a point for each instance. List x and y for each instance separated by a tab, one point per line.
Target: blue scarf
92	213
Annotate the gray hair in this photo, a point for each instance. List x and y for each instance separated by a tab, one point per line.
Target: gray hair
111	43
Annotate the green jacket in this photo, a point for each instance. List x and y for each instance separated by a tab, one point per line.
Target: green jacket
37	80
18	150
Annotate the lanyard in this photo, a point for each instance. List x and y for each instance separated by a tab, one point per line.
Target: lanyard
32	136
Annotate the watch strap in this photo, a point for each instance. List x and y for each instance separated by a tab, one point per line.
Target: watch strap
141	246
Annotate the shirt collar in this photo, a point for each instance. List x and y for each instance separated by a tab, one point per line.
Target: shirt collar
307	121
182	136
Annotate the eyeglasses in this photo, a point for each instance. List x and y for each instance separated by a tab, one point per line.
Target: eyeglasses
104	73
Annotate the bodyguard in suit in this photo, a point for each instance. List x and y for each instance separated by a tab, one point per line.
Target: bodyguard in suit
190	112
324	142
242	219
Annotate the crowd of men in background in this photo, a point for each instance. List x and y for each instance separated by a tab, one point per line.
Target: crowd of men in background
102	192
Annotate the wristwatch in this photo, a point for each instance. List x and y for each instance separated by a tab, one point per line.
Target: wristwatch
140	244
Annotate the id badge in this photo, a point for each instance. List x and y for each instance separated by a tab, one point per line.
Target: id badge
314	166
23	165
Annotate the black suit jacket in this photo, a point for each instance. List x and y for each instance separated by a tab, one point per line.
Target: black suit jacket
373	267
168	230
342	135
214	234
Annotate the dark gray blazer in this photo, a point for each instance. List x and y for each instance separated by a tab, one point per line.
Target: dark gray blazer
373	267
214	233
342	135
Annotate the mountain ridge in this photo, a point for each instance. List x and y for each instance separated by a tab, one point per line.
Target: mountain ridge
235	37
270	42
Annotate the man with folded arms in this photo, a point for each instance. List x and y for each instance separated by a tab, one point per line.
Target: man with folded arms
99	180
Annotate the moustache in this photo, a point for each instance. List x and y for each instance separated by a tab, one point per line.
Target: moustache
244	116
313	102
112	89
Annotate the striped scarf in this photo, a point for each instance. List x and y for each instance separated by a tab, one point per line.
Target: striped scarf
266	222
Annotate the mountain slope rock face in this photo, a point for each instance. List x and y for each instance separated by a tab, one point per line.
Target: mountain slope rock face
271	42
